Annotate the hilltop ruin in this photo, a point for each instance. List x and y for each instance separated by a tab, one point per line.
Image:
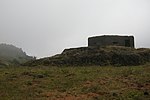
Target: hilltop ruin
111	40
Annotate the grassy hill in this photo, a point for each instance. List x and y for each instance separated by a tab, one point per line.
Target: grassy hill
75	83
101	56
11	55
86	73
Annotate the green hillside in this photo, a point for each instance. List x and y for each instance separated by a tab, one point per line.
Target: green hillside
11	55
101	56
86	73
75	83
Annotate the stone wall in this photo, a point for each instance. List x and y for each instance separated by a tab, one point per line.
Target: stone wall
111	40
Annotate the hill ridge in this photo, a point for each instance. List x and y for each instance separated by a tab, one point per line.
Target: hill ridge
12	55
83	56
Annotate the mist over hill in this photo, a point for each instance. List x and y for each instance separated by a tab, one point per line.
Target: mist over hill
11	55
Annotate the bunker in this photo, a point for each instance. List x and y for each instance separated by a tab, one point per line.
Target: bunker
111	40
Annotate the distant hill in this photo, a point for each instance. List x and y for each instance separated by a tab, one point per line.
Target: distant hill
84	56
11	55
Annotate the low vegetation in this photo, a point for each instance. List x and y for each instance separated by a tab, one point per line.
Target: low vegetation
86	73
101	56
11	55
75	83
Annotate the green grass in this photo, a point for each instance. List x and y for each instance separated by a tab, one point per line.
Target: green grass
78	83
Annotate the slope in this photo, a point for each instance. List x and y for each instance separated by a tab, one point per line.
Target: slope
111	55
11	55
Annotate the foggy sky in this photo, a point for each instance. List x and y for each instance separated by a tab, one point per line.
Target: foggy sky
46	27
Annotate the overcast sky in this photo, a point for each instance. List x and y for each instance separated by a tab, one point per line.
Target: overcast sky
46	27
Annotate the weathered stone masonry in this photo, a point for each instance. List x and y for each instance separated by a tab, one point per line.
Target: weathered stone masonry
111	40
